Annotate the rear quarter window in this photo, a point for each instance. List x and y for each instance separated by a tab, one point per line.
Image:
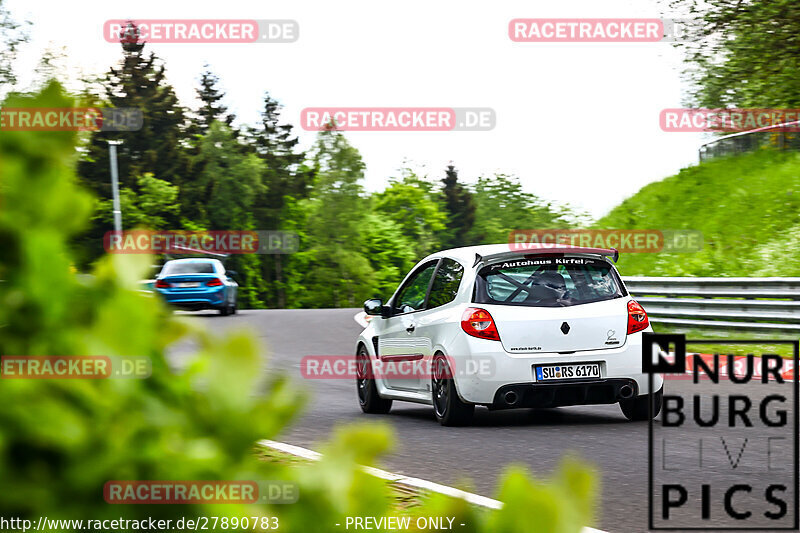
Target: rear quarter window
445	283
547	282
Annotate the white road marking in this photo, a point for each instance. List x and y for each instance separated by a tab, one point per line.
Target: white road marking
414	482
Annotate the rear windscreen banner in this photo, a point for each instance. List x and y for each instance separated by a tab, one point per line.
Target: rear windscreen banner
543	261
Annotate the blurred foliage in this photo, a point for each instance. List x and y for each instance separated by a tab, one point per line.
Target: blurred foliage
748	208
12	35
746	54
503	206
62	440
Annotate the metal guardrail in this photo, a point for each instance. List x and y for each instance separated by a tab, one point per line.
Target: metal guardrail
755	304
778	136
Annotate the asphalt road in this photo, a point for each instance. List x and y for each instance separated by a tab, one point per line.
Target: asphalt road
475	457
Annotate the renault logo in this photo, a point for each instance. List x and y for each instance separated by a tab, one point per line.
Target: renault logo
564	328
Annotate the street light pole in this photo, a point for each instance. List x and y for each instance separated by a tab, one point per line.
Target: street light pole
112	153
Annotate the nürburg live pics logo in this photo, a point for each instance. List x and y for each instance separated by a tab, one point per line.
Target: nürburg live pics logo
724	454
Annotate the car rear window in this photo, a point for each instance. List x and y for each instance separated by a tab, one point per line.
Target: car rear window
171	269
547	282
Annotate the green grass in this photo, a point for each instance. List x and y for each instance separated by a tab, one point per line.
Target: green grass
784	350
276	456
748	208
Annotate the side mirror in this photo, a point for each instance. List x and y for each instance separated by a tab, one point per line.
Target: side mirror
231	273
375	307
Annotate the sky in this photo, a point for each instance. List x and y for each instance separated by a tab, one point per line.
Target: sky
578	123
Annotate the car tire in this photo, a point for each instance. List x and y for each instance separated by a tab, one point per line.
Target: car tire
224	310
368	397
447	406
637	409
233	307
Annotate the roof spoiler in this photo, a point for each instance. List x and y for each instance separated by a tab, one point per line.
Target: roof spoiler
613	253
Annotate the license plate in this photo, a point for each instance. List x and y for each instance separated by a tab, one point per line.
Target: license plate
188	285
559	372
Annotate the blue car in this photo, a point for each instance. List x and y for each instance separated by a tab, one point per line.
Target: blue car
195	284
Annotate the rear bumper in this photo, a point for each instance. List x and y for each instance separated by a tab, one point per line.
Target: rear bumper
190	305
618	365
203	298
563	394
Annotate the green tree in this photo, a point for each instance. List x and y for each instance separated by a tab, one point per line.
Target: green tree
411	203
501	206
155	149
745	54
390	253
223	194
229	181
293	268
196	190
211	107
460	208
336	272
277	145
285	176
152	208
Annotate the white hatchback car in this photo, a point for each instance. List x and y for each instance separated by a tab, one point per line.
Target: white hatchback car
487	325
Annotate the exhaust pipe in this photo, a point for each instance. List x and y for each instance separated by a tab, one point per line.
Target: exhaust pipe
510	397
625	392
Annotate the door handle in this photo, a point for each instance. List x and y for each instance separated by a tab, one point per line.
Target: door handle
411	328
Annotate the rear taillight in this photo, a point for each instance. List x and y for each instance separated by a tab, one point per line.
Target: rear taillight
161	284
479	323
216	282
637	318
